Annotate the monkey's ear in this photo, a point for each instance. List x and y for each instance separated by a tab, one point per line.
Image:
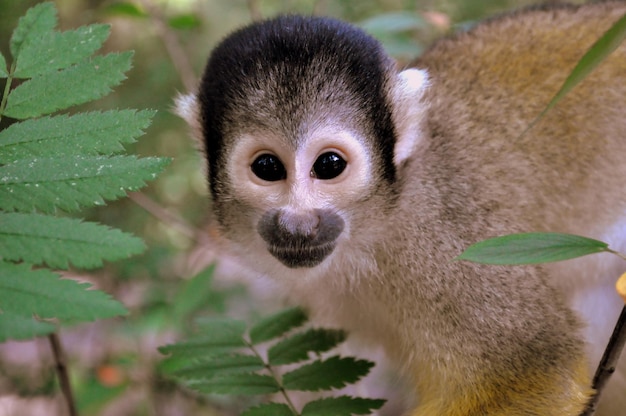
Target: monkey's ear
408	111
187	108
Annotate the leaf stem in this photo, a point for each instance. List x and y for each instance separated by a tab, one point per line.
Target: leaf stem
617	253
275	376
7	89
62	373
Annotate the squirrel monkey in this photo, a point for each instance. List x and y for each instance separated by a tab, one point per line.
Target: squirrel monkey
352	184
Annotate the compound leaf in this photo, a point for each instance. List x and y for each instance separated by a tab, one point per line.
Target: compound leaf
38	22
269	409
77	84
20	327
275	325
219	365
341	406
335	372
28	292
531	248
3	67
216	335
239	384
38	239
70	182
298	346
59	50
81	134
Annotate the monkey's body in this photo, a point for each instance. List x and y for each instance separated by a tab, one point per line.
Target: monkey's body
476	340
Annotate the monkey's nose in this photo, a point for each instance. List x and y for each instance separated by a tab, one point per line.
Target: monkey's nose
306	225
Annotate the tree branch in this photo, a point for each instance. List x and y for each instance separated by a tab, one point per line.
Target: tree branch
608	362
62	373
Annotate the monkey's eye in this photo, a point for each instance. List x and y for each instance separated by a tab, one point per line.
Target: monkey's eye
328	166
269	168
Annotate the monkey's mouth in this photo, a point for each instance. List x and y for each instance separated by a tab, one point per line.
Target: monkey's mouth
303	256
300	240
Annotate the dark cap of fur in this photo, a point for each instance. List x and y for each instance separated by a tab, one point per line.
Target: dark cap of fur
276	72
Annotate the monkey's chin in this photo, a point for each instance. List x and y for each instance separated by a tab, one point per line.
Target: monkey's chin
296	258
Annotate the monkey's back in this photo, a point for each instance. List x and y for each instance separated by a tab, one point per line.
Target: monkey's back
490	84
566	174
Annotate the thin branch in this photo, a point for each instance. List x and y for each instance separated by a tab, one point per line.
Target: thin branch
167	217
172	45
608	362
255	10
62	373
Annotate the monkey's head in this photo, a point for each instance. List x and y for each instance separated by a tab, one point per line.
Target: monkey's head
305	123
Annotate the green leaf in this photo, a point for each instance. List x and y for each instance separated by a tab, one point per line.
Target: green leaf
297	347
531	248
269	409
185	21
219	365
238	384
19	327
335	372
341	406
78	84
70	182
3	67
28	292
216	336
594	57
60	50
193	295
39	239
276	325
38	22
82	134
124	9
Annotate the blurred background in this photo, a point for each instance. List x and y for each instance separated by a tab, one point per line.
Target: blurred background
114	364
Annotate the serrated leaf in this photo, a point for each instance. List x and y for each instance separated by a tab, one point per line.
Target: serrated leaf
276	325
193	295
59	50
269	409
531	248
298	346
219	365
3	67
39	239
18	327
341	406
217	336
238	384
82	134
38	22
28	292
71	182
78	84
335	372
599	51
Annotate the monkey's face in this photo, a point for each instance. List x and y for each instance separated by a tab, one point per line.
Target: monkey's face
304	123
296	195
